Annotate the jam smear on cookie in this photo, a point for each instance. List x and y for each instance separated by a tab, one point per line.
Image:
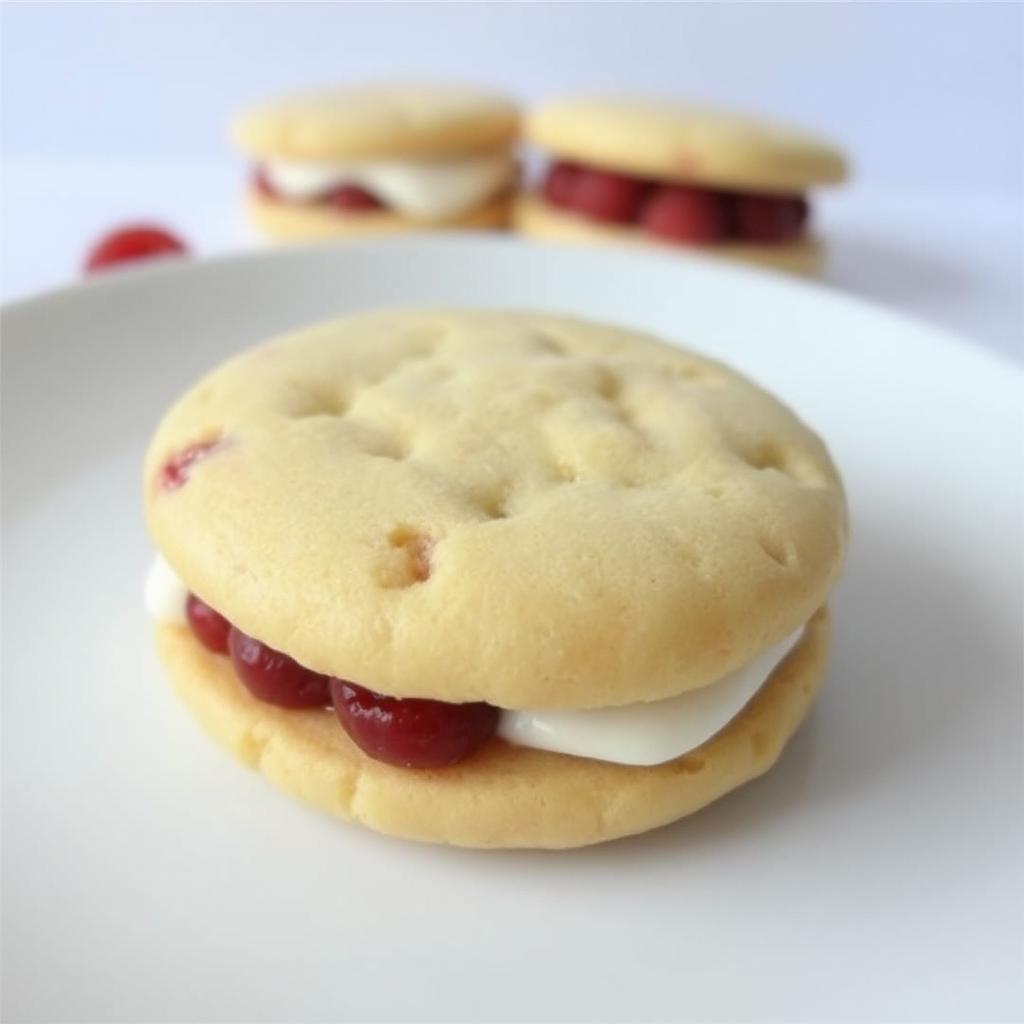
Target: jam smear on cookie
674	212
177	469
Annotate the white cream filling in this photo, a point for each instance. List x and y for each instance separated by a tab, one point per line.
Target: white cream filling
634	734
419	188
651	733
164	593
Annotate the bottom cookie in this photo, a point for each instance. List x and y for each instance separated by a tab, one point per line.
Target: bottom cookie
536	218
505	796
295	222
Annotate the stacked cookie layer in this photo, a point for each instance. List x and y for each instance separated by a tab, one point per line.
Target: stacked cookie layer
568	523
644	171
624	170
380	158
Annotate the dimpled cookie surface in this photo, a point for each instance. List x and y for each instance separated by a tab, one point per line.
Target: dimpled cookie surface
525	509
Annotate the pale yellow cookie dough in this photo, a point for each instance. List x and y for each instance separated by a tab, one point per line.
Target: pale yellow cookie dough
504	796
535	218
521	508
678	142
400	119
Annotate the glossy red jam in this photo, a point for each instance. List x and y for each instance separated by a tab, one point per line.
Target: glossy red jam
410	733
273	677
209	627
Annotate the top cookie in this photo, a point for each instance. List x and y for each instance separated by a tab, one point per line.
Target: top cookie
526	509
377	120
677	142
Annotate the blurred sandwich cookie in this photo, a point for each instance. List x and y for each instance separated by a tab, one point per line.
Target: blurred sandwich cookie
379	158
628	169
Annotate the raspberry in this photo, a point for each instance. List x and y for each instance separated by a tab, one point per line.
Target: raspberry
769	218
131	243
559	183
209	627
682	213
411	732
352	197
275	678
607	196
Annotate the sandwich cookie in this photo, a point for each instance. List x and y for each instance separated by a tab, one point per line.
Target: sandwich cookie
380	158
646	171
492	579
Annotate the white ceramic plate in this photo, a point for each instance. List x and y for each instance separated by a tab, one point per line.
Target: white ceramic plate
875	873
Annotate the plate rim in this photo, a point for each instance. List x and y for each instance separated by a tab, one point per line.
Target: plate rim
175	268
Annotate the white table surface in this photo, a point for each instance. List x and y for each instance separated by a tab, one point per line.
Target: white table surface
954	260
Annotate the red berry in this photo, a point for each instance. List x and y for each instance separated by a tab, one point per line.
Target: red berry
352	197
209	627
130	243
769	218
178	467
412	733
261	184
682	213
275	678
802	210
560	182
607	196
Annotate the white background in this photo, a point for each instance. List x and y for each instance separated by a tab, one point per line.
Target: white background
923	94
115	111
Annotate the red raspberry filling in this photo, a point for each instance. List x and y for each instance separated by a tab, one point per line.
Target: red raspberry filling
764	218
347	198
210	628
559	184
407	732
273	677
351	198
688	214
681	213
607	196
411	732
